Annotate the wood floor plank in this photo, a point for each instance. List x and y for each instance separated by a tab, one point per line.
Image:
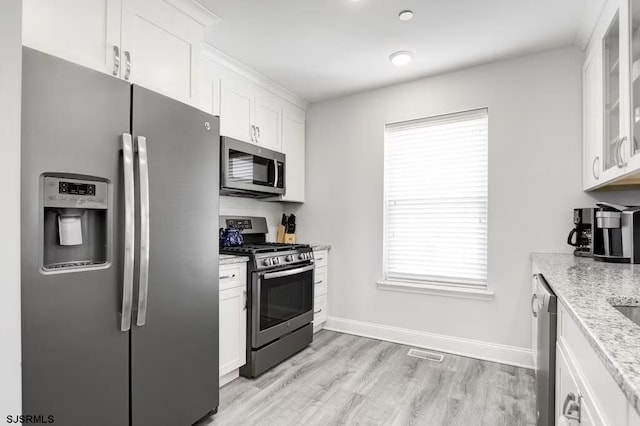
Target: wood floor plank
349	380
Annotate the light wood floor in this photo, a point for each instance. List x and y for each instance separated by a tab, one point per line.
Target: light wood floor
348	380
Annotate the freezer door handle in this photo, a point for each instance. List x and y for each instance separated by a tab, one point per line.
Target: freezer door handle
129	231
143	288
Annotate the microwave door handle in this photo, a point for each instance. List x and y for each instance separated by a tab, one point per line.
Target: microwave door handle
275	165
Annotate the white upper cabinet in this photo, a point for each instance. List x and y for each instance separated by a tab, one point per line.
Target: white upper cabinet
268	120
592	119
158	42
250	113
293	145
611	96
82	31
153	43
237	108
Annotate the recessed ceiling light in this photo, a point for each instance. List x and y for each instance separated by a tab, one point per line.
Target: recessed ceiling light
405	15
401	58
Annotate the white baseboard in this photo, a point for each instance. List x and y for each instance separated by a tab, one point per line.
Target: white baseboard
229	377
511	355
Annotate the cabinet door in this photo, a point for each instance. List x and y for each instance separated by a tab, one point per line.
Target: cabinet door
613	115
566	384
163	45
233	329
293	145
236	109
80	31
631	147
209	86
534	320
592	119
268	120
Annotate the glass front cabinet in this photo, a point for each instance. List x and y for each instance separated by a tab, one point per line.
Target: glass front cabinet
611	98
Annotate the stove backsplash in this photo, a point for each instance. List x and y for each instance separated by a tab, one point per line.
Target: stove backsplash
238	206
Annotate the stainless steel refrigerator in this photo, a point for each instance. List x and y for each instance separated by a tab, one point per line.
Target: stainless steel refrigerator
119	250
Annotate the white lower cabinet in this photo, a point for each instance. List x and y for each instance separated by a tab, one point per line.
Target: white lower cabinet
581	375
233	320
569	400
320	289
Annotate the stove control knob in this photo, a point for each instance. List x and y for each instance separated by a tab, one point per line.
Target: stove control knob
267	262
276	260
301	256
289	258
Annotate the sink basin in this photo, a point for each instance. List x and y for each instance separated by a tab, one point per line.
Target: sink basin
631	312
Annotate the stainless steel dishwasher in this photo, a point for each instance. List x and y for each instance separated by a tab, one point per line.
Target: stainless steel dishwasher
545	308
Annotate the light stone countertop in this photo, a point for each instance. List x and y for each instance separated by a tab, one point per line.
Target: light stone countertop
585	287
227	259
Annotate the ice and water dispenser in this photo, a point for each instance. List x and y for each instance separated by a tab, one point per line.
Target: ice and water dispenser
74	223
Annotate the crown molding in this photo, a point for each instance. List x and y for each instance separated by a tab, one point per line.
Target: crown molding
195	11
588	22
252	75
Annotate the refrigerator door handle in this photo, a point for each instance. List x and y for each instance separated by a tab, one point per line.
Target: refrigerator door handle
143	168
129	231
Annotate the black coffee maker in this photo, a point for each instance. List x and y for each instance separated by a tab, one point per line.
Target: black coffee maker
581	236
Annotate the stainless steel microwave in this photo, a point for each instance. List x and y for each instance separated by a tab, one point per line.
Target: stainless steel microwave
250	170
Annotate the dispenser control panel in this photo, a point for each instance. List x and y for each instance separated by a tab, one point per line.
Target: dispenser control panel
74	193
73	188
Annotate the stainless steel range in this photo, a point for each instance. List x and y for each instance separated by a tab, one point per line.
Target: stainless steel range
280	280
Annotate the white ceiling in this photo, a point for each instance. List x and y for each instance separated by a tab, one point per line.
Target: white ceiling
320	49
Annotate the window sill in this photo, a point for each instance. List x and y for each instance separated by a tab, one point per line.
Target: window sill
436	290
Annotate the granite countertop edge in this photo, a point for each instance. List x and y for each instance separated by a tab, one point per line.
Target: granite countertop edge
625	373
318	247
228	259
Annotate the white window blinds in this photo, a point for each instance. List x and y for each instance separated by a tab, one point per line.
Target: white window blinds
436	196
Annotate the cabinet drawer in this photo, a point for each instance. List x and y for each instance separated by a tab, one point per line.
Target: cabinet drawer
232	276
320	281
320	309
321	258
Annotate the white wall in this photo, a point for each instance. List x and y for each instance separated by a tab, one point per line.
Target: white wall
236	206
10	95
534	183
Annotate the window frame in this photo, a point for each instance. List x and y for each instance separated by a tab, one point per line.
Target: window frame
472	291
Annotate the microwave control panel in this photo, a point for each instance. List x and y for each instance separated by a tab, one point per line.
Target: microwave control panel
239	223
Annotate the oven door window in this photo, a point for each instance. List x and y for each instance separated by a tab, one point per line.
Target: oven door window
282	299
250	169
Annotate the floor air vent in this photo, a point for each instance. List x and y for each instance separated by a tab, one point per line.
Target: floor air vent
431	356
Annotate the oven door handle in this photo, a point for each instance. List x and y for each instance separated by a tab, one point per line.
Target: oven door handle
280	274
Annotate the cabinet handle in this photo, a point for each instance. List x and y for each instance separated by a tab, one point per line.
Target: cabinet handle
244	294
318	282
620	151
116	60
596	171
226	277
257	134
317	312
572	407
253	133
127	63
533	301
